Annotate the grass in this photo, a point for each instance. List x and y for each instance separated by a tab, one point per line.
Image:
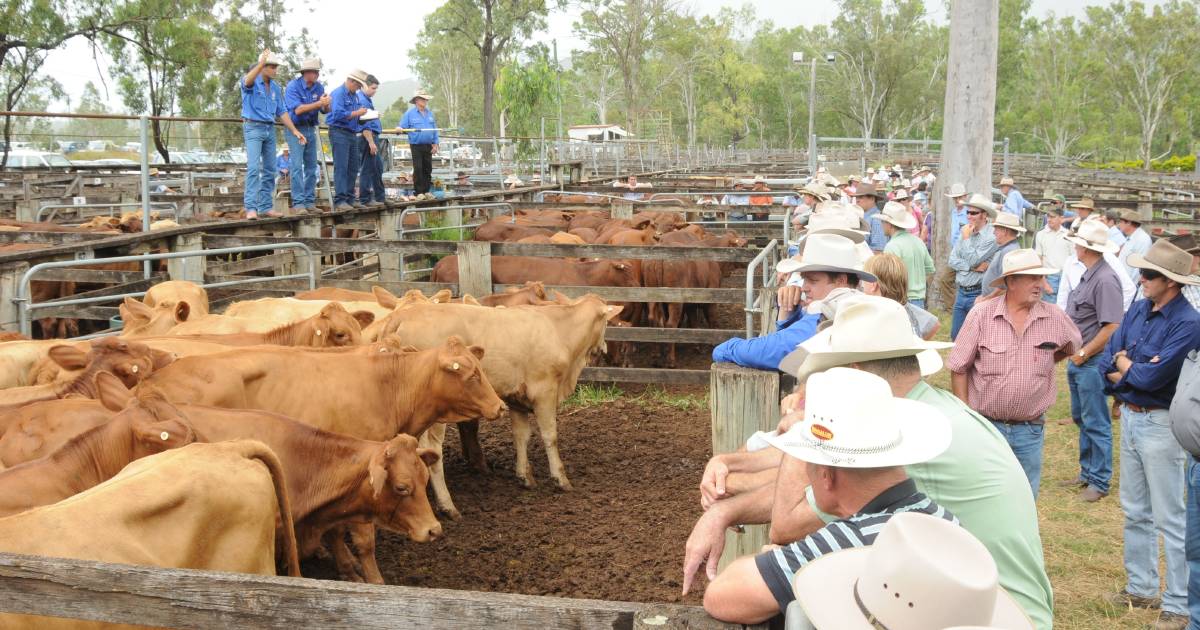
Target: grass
590	395
102	155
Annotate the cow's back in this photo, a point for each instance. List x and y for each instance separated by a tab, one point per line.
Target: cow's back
35	430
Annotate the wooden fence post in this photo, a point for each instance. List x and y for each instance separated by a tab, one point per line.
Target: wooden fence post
309	227
475	268
10	278
192	267
622	210
1145	205
742	401
390	263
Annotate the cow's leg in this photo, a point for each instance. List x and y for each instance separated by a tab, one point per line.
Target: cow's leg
433	438
468	438
546	412
522	430
362	536
674	317
335	541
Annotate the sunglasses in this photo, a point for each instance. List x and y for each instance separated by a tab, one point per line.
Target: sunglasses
974	212
1150	274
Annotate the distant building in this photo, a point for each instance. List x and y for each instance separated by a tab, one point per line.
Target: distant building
597	133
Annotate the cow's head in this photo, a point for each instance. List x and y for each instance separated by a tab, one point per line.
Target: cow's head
128	360
141	320
335	327
396	478
460	382
623	273
155	425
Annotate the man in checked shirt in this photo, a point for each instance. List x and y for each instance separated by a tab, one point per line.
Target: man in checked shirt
1003	360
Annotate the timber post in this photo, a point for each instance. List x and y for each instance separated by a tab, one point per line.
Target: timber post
391	265
742	401
10	280
475	268
192	267
309	227
1145	206
622	210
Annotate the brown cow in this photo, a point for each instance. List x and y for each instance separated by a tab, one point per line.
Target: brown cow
531	294
141	320
334	293
555	271
173	292
505	230
588	220
129	360
587	234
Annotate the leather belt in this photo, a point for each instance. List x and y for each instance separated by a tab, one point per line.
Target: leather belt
1140	409
1034	421
977	287
261	122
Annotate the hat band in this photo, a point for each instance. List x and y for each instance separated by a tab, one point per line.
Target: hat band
849	451
1013	272
862	608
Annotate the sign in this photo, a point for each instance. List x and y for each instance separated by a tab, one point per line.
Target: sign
79	201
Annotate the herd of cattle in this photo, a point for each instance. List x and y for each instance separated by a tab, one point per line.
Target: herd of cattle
288	426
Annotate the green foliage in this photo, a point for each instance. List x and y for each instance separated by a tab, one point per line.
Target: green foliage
1173	164
590	395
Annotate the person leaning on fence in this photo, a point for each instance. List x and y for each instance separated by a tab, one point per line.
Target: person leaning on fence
852	446
345	129
1141	364
977	478
1051	244
422	140
305	99
971	257
1003	361
371	193
1083	209
262	104
1014	202
1007	229
897	222
867	197
892	283
1136	240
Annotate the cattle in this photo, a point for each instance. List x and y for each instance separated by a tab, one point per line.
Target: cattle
587	234
286	310
534	357
173	292
54	327
551	219
505	230
129	360
531	294
587	220
663	222
558	238
330	325
555	271
141	320
646	236
334	293
7	336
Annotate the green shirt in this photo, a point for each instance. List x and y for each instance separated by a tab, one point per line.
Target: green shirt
916	258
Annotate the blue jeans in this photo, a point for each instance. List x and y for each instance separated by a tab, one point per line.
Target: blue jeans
1026	441
304	167
1152	498
962	305
260	166
1089	410
1052	296
346	157
370	180
1192	542
918	303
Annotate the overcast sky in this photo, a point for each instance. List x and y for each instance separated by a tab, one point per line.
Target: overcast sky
343	44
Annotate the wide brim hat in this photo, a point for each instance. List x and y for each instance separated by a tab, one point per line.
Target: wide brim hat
829	253
901	194
1010	221
865	328
866	190
1086	203
273	60
310	64
512	179
1006	181
977	200
895	213
957	190
421	94
358	76
815	189
1093	235
1133	216
1022	262
1168	259
933	560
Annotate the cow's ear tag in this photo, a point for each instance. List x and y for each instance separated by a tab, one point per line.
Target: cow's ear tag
455	366
164	435
318	333
134	369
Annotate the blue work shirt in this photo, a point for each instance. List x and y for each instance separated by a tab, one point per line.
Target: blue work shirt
374	125
261	103
876	239
283	163
1157	342
765	353
342	104
414	119
958	218
298	93
1015	203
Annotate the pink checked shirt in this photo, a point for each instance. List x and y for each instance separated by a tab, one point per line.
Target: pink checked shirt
1011	377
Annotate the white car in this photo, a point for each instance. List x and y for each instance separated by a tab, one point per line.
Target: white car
23	158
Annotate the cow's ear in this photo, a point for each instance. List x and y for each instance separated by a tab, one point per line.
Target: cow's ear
384	297
429	456
161	358
164	434
182	311
642	222
69	357
364	318
470	299
111	391
612	310
477	351
441	297
133	310
377	472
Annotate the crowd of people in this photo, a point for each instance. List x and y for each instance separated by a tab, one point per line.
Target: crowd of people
354	138
864	438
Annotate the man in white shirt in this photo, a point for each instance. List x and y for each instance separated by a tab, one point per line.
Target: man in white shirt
1072	273
1115	235
1137	240
1050	244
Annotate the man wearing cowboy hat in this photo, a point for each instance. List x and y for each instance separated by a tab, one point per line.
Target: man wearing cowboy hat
901	196
810	195
867	197
1007	229
897	221
1014	202
852	446
262	103
873	334
1051	244
1003	360
1141	364
971	257
371	193
1083	209
1136	240
958	218
345	132
305	100
1073	270
422	139
1096	307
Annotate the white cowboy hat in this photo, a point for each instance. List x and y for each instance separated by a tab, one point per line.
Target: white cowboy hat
422	94
895	213
957	190
1093	235
1022	262
852	420
864	328
814	188
901	194
870	171
358	76
1006	181
1168	259
512	179
830	180
921	572
829	253
1010	221
822	170
312	63
830	218
759	178
977	200
273	60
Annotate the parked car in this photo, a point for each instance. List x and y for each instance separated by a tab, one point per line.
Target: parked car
23	158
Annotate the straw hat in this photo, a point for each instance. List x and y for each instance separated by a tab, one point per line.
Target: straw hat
957	190
1131	215
921	572
1186	242
899	216
273	60
1086	203
1168	259
816	189
1006	181
1093	235
901	194
831	219
1022	262
759	178
831	253
853	178
513	179
871	171
865	328
422	94
358	76
1010	221
977	200
866	190
312	63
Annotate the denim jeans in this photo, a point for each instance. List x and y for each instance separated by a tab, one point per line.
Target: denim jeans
1052	296
345	164
1089	410
918	303
370	179
963	302
304	167
1193	541
1026	441
260	166
1152	498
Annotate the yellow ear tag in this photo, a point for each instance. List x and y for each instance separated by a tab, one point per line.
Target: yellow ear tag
455	366
134	369
164	435
318	333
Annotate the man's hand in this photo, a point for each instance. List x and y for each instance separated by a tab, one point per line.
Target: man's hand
1113	377
792	402
325	101
262	58
712	483
358	112
704	546
967	231
434	150
789	298
1077	360
982	267
300	137
789	420
371	148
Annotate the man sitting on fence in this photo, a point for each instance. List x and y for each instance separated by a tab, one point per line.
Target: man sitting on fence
852	446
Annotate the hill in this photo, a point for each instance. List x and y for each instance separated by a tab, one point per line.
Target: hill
389	91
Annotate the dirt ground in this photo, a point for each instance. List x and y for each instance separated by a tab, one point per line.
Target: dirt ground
635	464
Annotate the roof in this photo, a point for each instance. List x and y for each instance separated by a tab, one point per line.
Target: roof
583	132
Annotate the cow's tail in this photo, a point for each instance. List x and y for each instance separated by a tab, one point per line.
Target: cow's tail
264	454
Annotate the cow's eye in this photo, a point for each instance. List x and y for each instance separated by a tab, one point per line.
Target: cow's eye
402	490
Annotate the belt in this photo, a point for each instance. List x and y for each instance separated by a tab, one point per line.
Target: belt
261	122
1140	409
977	287
345	130
1034	421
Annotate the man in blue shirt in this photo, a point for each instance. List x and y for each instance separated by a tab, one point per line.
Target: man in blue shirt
262	104
305	99
344	133
422	140
1014	201
283	165
1141	364
867	198
371	192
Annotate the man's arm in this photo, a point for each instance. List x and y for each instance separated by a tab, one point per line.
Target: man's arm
792	518
1096	345
740	595
721	467
1152	375
369	136
248	80
707	540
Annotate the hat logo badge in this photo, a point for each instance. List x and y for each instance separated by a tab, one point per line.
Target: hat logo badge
821	432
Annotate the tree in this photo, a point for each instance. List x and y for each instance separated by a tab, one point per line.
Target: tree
445	68
592	80
1054	106
491	26
91	102
625	31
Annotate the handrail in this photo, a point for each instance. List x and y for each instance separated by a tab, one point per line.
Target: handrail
129	204
750	309
24	306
